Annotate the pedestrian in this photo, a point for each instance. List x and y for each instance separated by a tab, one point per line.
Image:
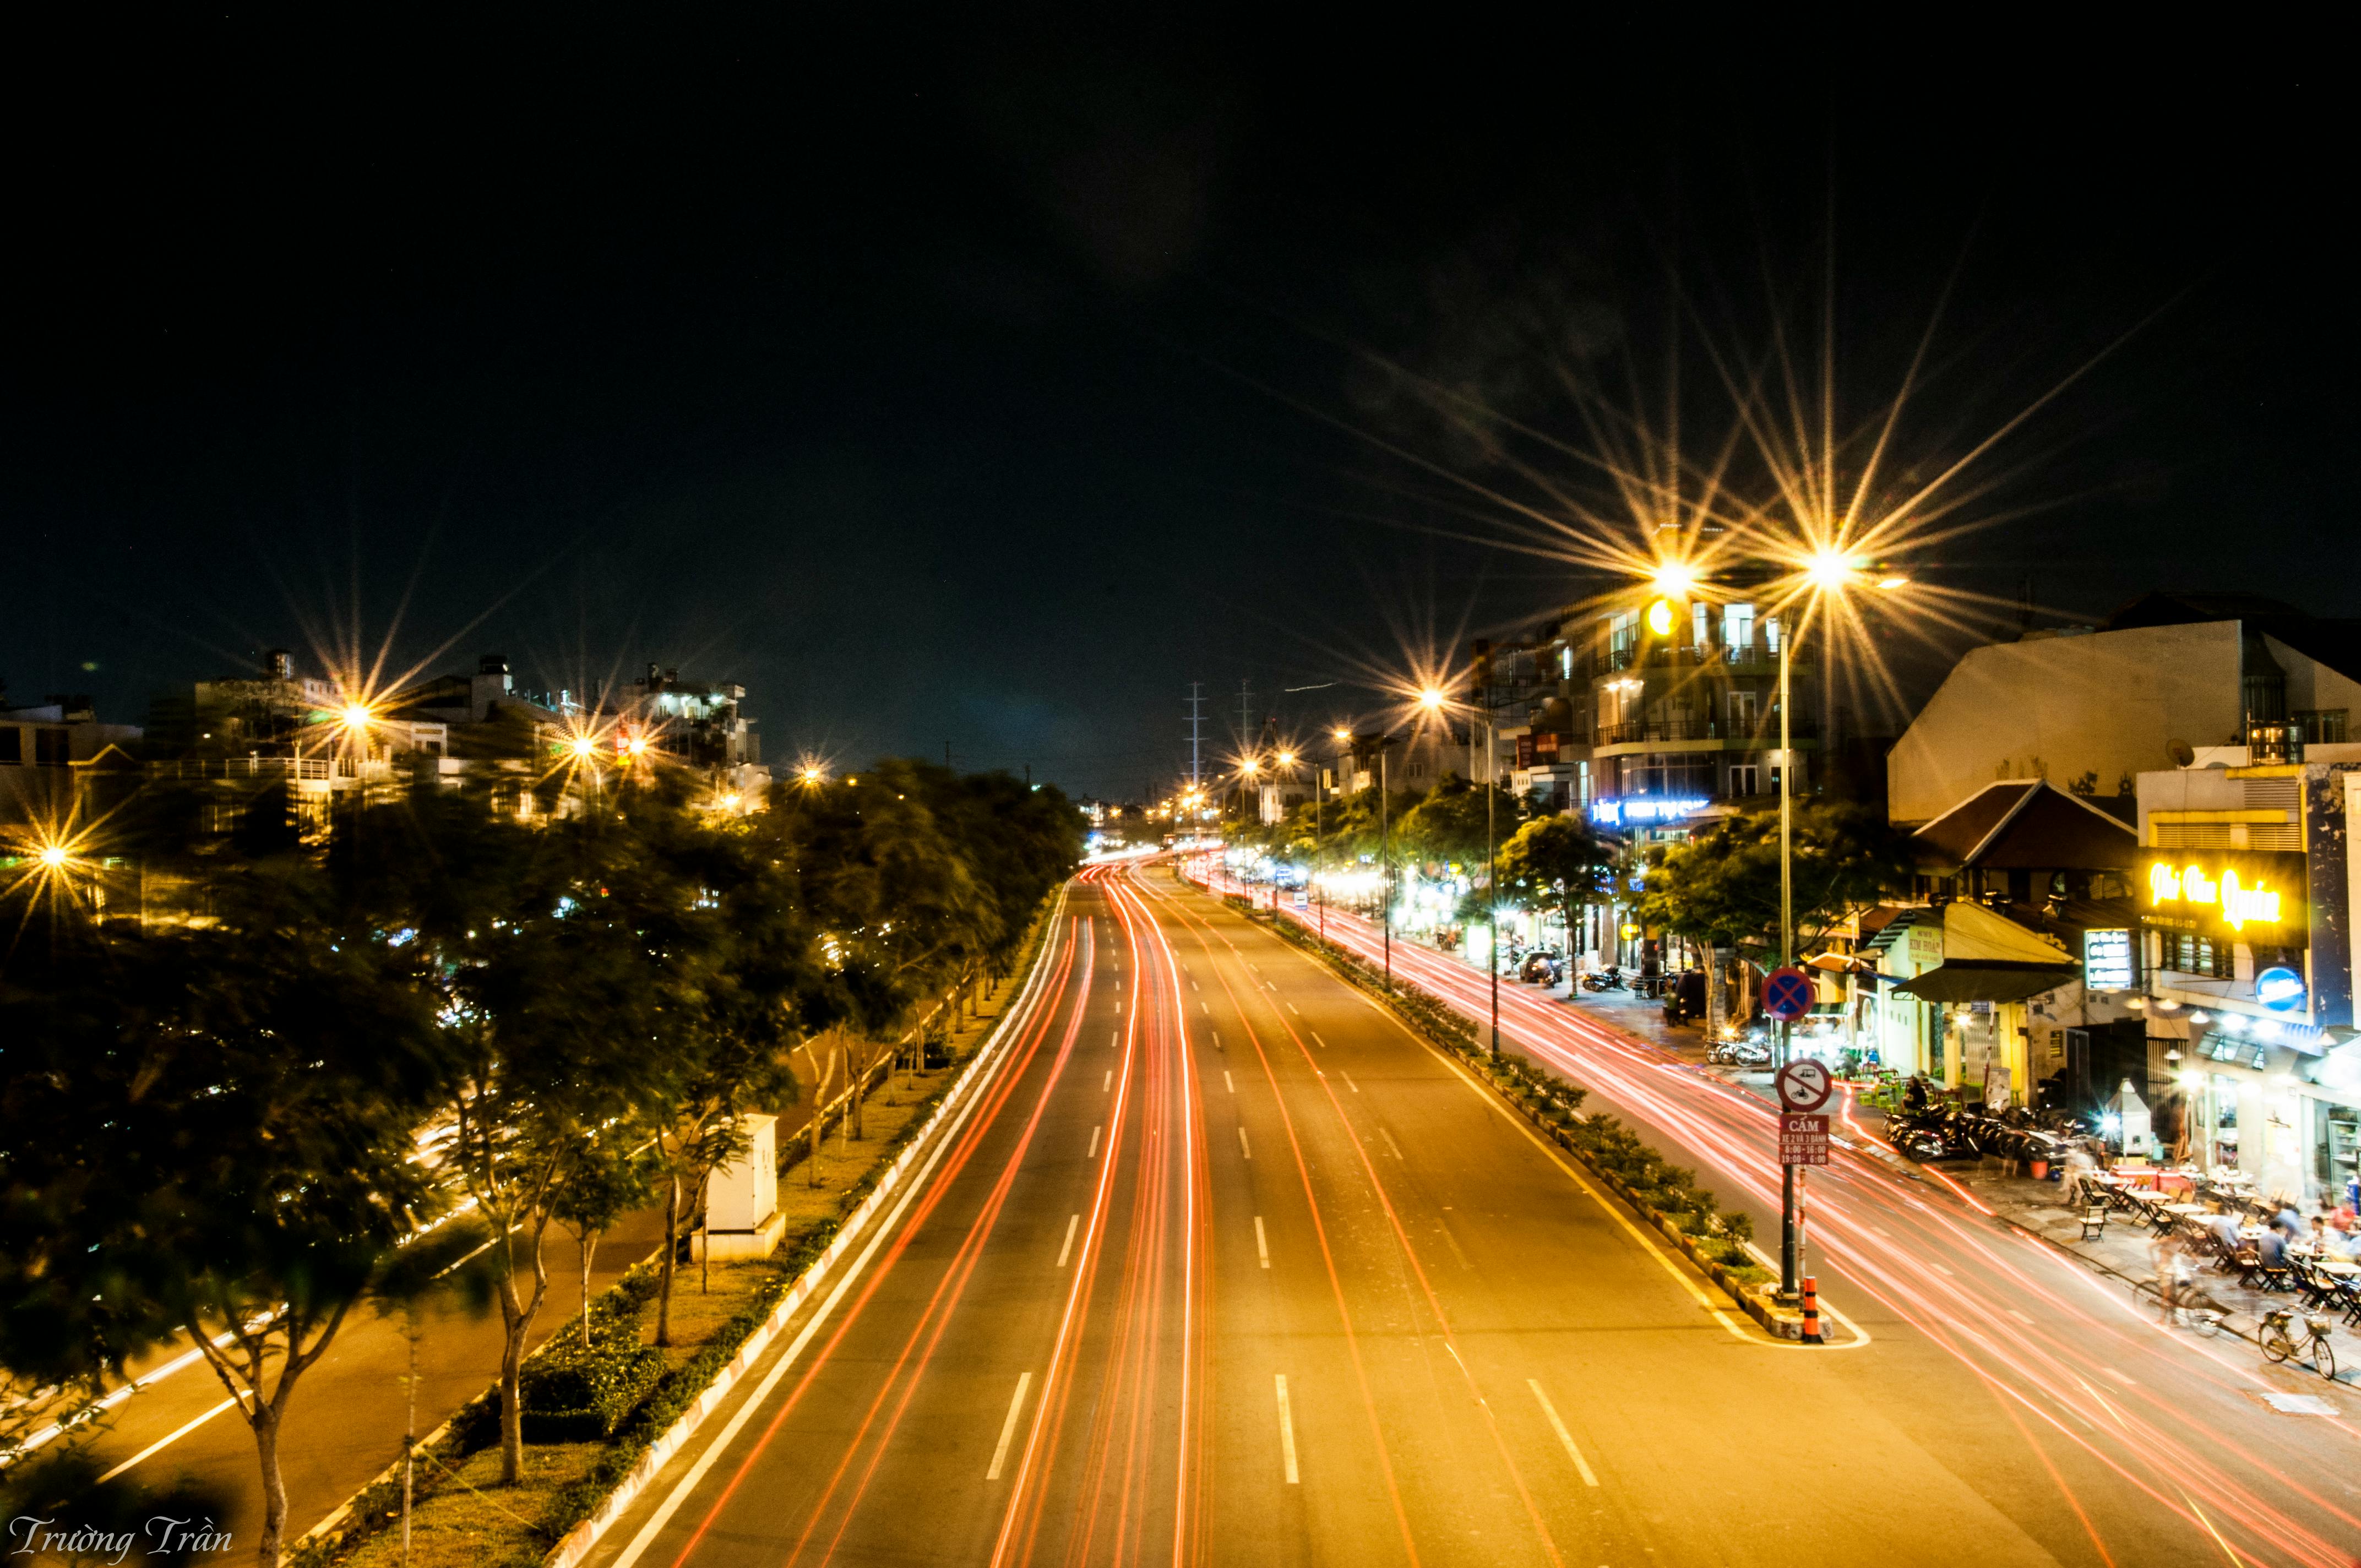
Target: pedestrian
2079	1168
2168	1253
2287	1220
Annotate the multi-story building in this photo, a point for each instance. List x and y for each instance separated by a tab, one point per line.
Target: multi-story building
2090	708
1646	717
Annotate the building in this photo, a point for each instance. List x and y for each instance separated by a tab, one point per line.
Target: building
2013	977
2093	710
2247	889
1647	719
58	765
698	723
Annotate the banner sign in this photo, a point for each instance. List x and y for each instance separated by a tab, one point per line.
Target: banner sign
1803	1140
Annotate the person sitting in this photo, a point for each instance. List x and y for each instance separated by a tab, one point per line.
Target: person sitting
2224	1230
2289	1221
2270	1248
2335	1242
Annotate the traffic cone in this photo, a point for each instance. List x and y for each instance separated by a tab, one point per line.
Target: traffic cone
1812	1311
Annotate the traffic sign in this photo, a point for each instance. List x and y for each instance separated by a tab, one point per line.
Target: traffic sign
1803	1140
1804	1085
1788	994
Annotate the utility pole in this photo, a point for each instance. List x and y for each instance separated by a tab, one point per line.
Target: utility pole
1790	1177
1386	859
1196	733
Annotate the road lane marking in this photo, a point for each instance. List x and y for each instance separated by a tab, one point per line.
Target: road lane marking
1318	1041
1243	1148
1114	1041
2020	1317
1286	1431
163	1443
1107	1083
1206	1006
1194	986
1292	1008
1943	1271
1389	1143
1262	1242
1348	1082
1095	1143
1070	1240
1562	1435
1228	1079
1008	1427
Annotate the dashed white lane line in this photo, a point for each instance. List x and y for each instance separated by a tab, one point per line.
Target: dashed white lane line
1348	1082
1243	1148
1390	1142
1108	1082
1943	1271
1095	1143
1228	1079
1292	1008
1008	1427
1194	986
1069	1247
1206	1006
2020	1317
1562	1435
1262	1242
1318	1041
164	1442
1286	1431
1114	1041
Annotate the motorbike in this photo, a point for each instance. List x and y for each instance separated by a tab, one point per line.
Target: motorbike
1607	979
1742	1052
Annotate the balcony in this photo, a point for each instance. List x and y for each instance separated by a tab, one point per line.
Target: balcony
1649	731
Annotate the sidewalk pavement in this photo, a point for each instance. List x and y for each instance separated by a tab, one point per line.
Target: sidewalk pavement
2124	1250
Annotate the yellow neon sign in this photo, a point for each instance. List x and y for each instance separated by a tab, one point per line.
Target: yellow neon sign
2240	904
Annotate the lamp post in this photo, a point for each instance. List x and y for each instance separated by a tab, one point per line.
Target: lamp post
1826	570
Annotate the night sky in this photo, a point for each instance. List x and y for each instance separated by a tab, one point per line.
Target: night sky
987	387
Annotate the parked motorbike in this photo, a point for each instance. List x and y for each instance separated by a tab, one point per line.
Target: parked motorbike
1607	979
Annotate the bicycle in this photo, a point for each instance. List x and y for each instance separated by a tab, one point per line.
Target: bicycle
2278	1345
2190	1304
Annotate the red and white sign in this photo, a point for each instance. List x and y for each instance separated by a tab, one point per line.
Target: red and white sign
1804	1085
1803	1140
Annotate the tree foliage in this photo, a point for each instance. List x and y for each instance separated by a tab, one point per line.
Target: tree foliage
1722	886
1555	862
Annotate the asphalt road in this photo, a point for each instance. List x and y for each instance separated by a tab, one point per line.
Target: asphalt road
2103	1435
1224	1267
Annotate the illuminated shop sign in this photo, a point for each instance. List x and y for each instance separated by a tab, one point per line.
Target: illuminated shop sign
1643	808
2254	897
2107	960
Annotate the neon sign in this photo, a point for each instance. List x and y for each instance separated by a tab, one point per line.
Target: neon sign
2239	903
1642	809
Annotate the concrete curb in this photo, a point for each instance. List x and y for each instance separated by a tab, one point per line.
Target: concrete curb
579	1541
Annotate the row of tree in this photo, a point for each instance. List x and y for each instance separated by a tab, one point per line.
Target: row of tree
242	1125
1720	889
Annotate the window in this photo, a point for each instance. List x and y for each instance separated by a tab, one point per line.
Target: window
1701	626
1738	627
1771	634
11	743
1566	663
1744	712
1742	779
2322	726
2188	953
1623	637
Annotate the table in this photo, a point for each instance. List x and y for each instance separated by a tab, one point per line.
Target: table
2338	1266
2184	1208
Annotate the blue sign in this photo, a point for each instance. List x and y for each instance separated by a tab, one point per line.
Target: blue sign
2280	990
1788	994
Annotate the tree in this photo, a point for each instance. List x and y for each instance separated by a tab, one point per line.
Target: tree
211	1132
609	1180
1449	827
1723	886
1556	859
539	989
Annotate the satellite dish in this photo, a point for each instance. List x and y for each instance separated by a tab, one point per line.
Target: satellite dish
2181	753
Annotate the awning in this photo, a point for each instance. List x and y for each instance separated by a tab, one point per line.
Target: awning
1985	980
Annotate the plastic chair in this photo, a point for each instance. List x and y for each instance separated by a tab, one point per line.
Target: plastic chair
2095	1221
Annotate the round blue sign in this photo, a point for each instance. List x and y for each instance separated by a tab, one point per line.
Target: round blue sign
1788	994
2280	990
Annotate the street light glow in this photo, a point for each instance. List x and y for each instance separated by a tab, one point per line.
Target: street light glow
1286	759
585	744
1889	584
53	855
1340	735
1660	617
1829	569
356	715
1675	579
1431	699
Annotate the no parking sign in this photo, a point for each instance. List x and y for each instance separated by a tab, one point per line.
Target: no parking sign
1788	994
